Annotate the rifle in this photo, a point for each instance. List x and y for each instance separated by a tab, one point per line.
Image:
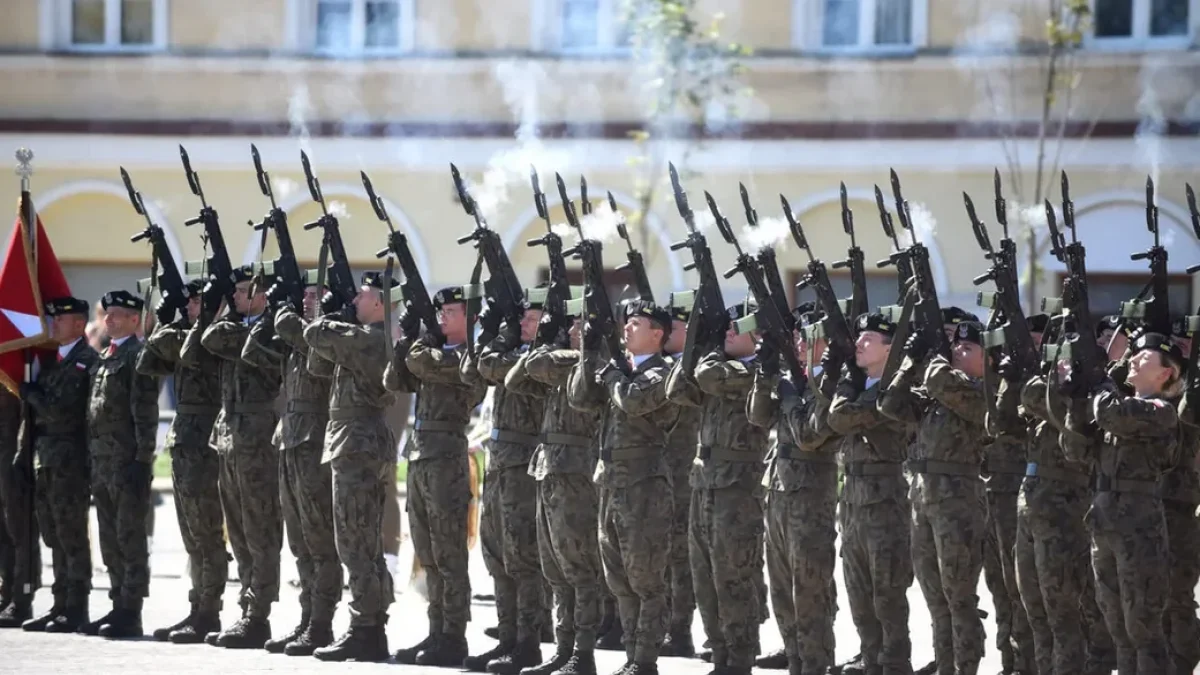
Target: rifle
558	292
340	277
285	267
1154	311
1193	322
416	296
836	328
503	286
1007	325
769	267
634	257
926	311
857	304
903	268
708	321
164	273
216	265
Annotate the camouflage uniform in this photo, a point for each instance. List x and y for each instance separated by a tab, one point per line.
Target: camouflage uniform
801	478
726	532
681	450
249	481
636	502
438	475
194	466
59	405
947	523
508	517
362	451
1180	490
122	428
874	515
16	568
568	547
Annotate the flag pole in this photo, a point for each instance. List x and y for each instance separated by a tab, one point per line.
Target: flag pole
24	158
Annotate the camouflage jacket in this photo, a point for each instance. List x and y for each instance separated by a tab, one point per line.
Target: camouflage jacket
60	405
248	392
1045	449
357	398
1004	448
636	418
804	454
1182	483
949	411
874	447
730	450
568	443
516	417
122	407
444	401
681	446
307	378
197	385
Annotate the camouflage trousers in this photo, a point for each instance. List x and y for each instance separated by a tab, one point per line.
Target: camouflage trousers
877	565
439	492
947	552
20	556
1129	559
306	498
1183	556
359	487
682	595
1013	637
634	522
195	472
726	550
569	550
250	497
800	560
508	533
62	512
1055	578
121	520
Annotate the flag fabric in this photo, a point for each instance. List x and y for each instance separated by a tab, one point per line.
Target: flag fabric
24	285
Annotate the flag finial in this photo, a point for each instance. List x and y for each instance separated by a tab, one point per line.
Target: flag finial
24	167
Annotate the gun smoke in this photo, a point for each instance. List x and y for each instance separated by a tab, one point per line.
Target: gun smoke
770	233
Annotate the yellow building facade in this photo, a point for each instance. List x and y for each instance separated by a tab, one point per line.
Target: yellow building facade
944	91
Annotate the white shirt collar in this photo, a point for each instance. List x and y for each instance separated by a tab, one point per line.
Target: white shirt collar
639	360
251	320
117	342
63	350
452	347
747	359
816	371
871	382
677	355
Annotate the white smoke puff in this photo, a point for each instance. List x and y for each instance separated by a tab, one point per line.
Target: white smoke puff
1152	121
923	223
564	231
704	219
338	210
283	187
601	224
770	233
1033	215
299	111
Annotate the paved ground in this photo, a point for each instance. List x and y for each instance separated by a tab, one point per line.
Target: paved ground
39	653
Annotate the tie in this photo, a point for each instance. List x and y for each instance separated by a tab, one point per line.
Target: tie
60	357
112	349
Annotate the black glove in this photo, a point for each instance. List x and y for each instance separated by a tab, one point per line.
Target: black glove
277	295
831	361
137	474
916	347
510	333
1009	370
164	313
549	329
856	376
489	320
433	340
410	325
210	300
1074	386
330	304
767	357
592	336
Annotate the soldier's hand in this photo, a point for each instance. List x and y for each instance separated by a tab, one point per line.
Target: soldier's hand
510	334
767	356
277	295
432	340
137	474
592	337
164	313
831	361
1009	370
856	376
330	303
489	319
916	347
410	325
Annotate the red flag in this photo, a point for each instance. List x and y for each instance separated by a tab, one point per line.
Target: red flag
22	289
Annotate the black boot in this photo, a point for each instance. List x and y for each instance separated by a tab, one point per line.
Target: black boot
642	669
527	654
93	627
18	612
930	669
318	634
276	645
201	626
125	626
562	654
611	641
39	624
249	633
479	663
164	634
447	651
408	655
705	656
360	643
678	643
795	667
492	632
776	660
582	662
74	615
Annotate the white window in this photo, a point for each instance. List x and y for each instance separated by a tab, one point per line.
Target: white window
113	25
860	25
354	27
590	25
1143	22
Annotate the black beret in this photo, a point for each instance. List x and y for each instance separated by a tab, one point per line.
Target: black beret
875	323
66	305
1161	344
954	315
195	287
243	273
448	296
375	280
123	299
1038	323
969	331
650	311
1179	327
806	314
742	310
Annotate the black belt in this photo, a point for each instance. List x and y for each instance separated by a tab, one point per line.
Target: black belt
795	454
294	406
991	468
252	407
197	409
438	425
940	467
353	413
873	469
707	452
110	428
1033	470
505	436
566	439
1113	484
626	454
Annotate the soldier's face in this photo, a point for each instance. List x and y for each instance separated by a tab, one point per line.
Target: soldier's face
121	323
311	299
642	336
368	306
738	346
241	297
802	346
871	350
576	333
1148	372
66	328
968	358
678	335
529	324
193	308
452	319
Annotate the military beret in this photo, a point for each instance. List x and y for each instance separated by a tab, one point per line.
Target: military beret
449	296
649	310
1038	323
123	299
680	305
243	273
742	309
955	315
806	314
66	305
875	323
194	287
375	280
1162	344
1109	322
1179	327
969	331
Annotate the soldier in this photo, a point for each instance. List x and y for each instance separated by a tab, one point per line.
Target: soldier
1181	496
726	519
360	448
801	479
873	508
636	502
1126	520
122	428
59	399
948	527
567	501
194	465
249	479
438	481
20	554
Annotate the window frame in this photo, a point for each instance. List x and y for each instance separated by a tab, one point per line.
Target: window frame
608	14
795	274
1132	279
112	29
1141	40
808	30
405	32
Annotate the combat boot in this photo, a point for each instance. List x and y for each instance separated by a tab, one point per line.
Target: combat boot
642	669
127	624
39	624
855	661
737	670
447	651
164	634
967	669
527	653
317	634
360	643
492	632
202	625
623	670
249	633
93	627
582	662
277	645
795	667
562	654
74	615
408	655
776	660
678	643
479	663
705	656
18	612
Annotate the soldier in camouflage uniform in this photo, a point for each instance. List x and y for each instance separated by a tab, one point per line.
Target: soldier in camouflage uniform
873	509
945	399
568	547
438	472
241	435
636	502
122	428
59	399
801	479
194	466
20	556
1180	489
726	517
361	449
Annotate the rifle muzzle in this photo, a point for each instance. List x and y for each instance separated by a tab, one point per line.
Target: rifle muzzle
1144	255
886	262
689	267
736	269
